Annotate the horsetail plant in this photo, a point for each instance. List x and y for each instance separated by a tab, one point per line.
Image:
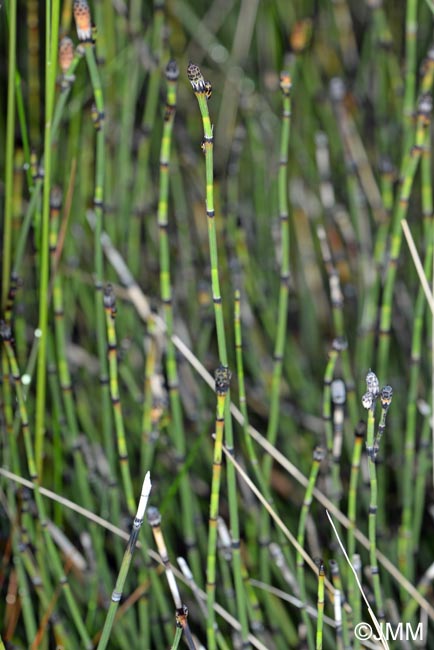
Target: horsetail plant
410	504
84	31
282	309
172	74
126	562
369	401
9	155
222	383
6	338
37	175
353	592
408	172
51	49
202	90
320	606
110	311
318	456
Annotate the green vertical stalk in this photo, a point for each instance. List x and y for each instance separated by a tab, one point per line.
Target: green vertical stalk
83	24
151	409
366	340
424	461
110	311
410	70
282	309
51	35
177	429
254	461
222	382
202	90
65	379
406	541
9	153
353	591
369	401
68	66
143	183
177	639
126	562
408	174
337	346
318	456
320	606
54	560
337	304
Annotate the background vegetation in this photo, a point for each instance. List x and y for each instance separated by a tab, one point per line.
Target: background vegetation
130	274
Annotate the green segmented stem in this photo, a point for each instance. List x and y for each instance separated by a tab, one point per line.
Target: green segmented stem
143	183
9	153
243	401
177	639
177	429
318	456
65	378
365	344
149	432
55	562
28	563
51	35
223	376
320	606
110	311
372	519
19	548
126	562
353	591
282	310
98	201
410	70
202	90
423	586
406	543
37	183
424	462
256	466
33	62
408	173
337	304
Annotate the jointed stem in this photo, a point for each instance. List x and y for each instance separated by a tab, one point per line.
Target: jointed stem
52	25
202	90
177	428
222	386
318	456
